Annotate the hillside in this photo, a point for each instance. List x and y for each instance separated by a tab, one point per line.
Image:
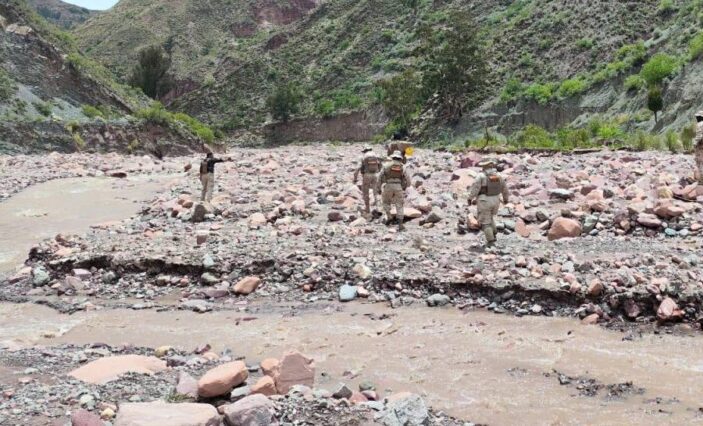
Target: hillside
54	99
553	63
61	14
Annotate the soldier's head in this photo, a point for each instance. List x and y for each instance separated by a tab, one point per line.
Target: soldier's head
699	116
397	156
366	149
488	163
208	155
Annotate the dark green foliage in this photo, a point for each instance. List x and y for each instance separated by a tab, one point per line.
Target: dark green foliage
655	101
157	114
457	68
92	112
659	67
284	101
687	135
401	97
151	74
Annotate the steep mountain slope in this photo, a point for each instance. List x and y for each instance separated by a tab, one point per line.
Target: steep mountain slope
61	14
54	99
554	62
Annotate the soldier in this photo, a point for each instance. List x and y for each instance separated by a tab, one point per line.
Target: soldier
698	153
487	188
369	168
394	180
399	146
207	175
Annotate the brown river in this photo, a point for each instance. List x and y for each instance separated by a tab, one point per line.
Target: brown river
477	366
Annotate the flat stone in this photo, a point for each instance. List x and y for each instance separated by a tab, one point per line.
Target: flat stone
105	370
254	410
222	379
163	413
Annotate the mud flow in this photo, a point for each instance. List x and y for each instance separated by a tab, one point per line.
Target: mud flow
488	368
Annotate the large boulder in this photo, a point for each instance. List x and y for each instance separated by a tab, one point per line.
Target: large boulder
667	210
85	418
294	369
668	310
163	413
405	409
222	379
648	220
254	410
564	228
105	370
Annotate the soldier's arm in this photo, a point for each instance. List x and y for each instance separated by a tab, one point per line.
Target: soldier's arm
474	189
381	179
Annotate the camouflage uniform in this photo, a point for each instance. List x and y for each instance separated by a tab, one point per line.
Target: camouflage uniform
488	187
394	180
369	168
398	146
698	153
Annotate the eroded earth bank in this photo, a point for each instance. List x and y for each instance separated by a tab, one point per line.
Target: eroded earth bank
279	303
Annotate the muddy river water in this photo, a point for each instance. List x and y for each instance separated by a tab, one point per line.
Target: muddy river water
475	365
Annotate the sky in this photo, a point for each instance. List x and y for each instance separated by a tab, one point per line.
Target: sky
93	4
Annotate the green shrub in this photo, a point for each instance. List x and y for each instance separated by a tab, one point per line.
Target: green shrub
534	137
345	99
156	113
284	101
571	87
541	93
78	141
513	89
92	112
195	126
610	132
44	108
634	83
695	46
570	138
7	86
666	6
688	133
72	126
672	141
642	141
659	67
586	43
325	108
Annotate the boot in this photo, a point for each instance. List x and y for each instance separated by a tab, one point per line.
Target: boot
401	227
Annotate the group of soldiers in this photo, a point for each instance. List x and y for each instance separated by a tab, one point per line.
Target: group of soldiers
390	180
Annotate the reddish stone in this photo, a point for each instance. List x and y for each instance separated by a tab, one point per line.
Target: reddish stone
564	228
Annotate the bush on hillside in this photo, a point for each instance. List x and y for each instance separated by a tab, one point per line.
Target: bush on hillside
659	67
655	101
7	86
695	47
541	93
401	97
92	112
151	73
284	101
571	87
634	83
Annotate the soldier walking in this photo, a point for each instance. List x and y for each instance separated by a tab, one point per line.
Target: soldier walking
486	191
369	168
394	180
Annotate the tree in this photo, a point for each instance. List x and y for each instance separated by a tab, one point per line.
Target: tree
151	72
659	67
284	101
655	102
457	69
401	97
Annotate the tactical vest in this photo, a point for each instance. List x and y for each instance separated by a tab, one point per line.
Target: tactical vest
493	187
394	174
203	167
371	165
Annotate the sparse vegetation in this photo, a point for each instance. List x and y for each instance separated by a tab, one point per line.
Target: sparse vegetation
92	112
157	114
43	108
7	86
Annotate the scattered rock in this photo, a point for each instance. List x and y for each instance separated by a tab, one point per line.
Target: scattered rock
105	370
294	369
247	285
162	413
564	228
254	410
222	379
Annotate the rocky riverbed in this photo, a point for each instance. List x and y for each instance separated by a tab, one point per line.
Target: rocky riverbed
610	238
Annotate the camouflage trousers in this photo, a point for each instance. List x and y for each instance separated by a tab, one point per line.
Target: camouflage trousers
487	211
208	181
393	195
368	184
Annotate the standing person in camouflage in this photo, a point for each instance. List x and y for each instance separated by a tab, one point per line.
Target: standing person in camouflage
698	153
486	190
393	179
369	168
